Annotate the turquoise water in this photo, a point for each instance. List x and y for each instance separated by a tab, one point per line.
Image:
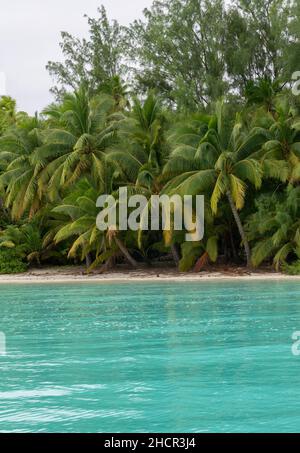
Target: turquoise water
186	357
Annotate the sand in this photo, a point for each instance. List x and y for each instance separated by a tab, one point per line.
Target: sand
71	274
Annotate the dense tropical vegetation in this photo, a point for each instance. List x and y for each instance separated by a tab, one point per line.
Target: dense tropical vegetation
207	108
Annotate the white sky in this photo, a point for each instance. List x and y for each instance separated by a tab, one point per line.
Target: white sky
30	36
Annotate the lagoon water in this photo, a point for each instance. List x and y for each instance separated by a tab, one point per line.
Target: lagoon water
166	357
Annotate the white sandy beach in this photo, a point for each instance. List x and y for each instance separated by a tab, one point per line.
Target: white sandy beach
77	274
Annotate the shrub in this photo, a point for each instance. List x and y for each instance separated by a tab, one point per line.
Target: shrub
11	262
292	269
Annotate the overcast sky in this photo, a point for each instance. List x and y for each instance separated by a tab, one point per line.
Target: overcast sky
30	35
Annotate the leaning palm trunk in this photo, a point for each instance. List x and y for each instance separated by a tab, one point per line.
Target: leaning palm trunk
240	228
201	262
125	252
107	266
175	254
88	260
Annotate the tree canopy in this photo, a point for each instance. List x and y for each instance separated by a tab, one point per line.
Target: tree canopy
193	99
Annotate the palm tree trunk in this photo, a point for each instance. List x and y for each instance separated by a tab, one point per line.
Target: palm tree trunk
175	254
88	260
125	252
232	243
201	262
107	266
240	228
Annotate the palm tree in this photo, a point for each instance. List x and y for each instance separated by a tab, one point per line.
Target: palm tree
80	133
113	236
284	138
27	241
116	88
142	151
275	227
75	219
219	165
262	92
19	153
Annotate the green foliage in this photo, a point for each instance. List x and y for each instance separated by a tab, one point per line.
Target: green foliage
190	51
292	269
190	252
11	262
75	219
205	110
94	62
185	62
275	227
27	242
7	113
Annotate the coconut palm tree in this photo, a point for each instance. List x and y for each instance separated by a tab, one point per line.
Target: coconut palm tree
262	92
142	151
75	219
23	166
219	165
274	228
116	88
81	131
27	242
284	138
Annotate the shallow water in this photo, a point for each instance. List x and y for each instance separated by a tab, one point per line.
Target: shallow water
186	357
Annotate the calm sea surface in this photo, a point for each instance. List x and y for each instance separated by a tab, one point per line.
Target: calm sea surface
167	357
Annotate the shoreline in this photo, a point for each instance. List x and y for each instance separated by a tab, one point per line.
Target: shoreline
77	275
